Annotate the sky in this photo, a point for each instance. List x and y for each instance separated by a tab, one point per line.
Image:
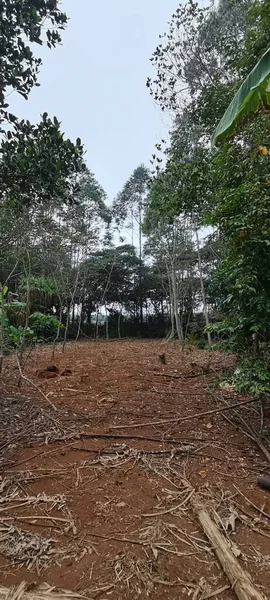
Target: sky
95	84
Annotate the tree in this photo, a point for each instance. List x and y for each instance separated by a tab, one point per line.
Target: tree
129	205
172	246
54	239
200	51
107	280
23	22
52	210
256	40
209	58
242	216
38	164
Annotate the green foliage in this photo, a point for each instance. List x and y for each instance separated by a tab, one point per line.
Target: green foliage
200	64
16	313
45	285
23	22
179	188
115	270
92	199
253	93
200	51
3	292
14	336
131	200
44	327
241	213
257	38
253	375
38	165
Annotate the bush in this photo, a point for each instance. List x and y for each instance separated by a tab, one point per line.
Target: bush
253	375
44	326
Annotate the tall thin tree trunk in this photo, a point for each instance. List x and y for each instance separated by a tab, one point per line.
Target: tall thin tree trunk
119	323
205	309
27	313
79	323
2	308
97	325
2	317
73	314
58	328
69	307
171	336
107	323
66	328
140	268
179	327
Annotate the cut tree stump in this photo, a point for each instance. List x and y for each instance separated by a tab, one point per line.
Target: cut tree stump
239	579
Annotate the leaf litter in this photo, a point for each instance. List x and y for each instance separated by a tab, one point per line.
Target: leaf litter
168	529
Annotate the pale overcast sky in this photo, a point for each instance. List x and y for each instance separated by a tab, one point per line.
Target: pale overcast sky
95	84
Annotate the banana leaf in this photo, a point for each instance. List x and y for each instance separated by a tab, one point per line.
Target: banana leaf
253	93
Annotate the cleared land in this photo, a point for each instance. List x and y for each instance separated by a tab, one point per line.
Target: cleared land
93	494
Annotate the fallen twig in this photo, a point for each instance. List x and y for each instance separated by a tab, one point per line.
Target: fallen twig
24	591
170	510
173	451
185	376
34	385
118	539
99	436
248	431
215	592
179	392
188	418
34	518
252	503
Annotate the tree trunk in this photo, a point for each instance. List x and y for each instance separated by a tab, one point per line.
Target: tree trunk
71	303
97	325
179	327
107	323
73	314
140	267
58	328
2	308
27	308
119	324
66	328
79	324
171	335
205	310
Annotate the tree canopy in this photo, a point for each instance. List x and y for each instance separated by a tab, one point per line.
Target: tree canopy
23	22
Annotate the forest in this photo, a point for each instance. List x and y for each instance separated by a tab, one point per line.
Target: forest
167	282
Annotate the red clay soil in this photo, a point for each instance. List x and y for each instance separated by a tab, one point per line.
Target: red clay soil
100	479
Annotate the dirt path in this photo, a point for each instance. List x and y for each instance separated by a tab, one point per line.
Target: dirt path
88	505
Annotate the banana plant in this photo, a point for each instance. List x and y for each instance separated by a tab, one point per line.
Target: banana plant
253	93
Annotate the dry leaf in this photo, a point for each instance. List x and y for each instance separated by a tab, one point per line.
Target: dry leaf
230	522
226	387
236	552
